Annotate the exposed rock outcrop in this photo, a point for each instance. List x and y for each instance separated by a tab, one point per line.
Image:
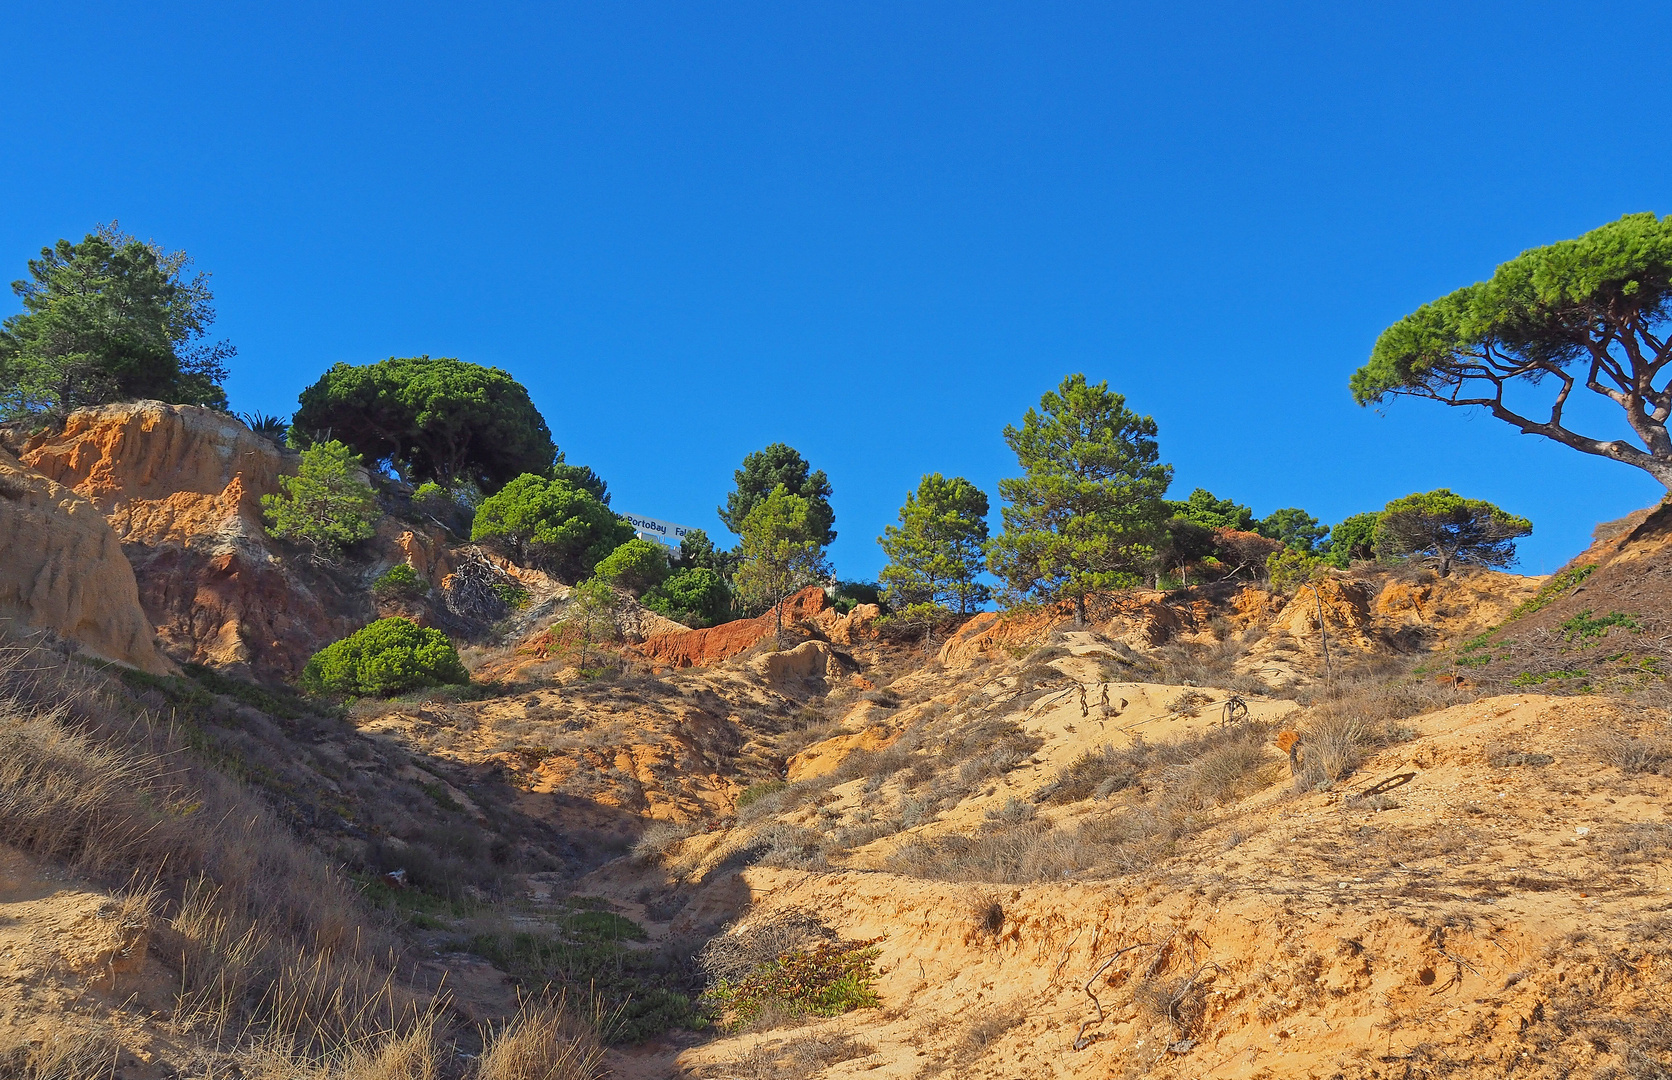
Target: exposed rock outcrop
808	660
181	486
64	571
699	648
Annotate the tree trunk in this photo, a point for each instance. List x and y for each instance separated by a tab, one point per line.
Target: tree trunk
1079	611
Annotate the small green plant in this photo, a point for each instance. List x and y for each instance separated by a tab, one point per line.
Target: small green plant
511	594
399	582
754	793
826	979
1475	652
1582	627
1290	568
1553	590
388	657
1529	678
325	505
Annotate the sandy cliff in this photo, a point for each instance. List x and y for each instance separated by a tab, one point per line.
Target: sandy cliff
64	571
181	486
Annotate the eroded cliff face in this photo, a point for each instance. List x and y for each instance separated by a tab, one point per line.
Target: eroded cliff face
181	487
64	571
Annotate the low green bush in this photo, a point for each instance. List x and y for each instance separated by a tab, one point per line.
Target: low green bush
756	792
388	657
696	597
826	979
1583	627
637	566
399	582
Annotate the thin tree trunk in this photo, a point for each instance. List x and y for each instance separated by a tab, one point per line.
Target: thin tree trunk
1323	631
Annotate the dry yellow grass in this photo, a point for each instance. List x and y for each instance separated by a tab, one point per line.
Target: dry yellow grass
267	939
542	1042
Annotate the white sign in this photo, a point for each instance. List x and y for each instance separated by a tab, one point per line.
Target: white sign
652	529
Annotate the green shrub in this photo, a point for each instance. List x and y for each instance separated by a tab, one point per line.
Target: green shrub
695	597
388	657
826	979
550	522
400	581
637	566
325	505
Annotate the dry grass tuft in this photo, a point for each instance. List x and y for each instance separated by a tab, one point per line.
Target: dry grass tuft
69	1054
1189	702
1361	711
1650	752
983	1029
1168	788
542	1042
986	913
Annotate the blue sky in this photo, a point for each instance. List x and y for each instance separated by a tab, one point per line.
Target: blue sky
875	231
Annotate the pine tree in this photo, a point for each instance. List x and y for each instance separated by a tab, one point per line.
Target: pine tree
1089	509
1449	530
781	552
325	505
939	548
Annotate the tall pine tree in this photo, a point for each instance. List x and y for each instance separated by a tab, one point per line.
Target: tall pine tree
939	548
781	552
1086	513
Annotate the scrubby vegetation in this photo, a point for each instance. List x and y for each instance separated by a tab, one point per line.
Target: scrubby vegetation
110	318
399	582
771	970
388	657
271	941
591	953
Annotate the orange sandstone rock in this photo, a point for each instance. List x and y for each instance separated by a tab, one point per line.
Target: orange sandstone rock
700	648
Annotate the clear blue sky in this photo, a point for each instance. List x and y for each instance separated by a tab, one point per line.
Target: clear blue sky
877	232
